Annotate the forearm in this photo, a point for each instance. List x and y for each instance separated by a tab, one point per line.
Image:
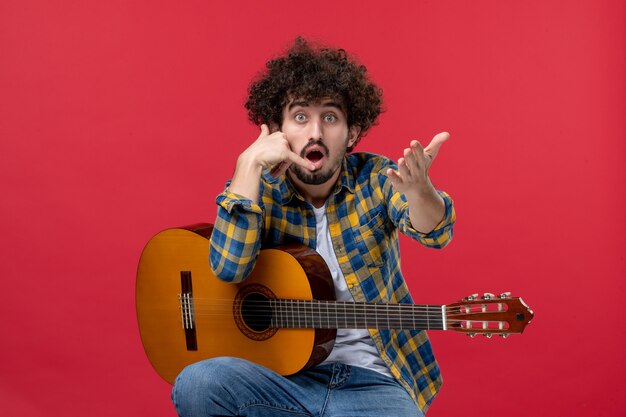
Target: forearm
246	179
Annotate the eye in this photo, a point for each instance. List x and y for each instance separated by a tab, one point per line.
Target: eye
299	117
330	118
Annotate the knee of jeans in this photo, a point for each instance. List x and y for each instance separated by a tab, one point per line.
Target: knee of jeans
207	372
200	384
212	373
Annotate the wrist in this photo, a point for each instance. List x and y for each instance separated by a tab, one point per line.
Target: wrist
248	163
246	178
421	192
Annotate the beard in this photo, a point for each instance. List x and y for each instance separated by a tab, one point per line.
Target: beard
312	178
322	175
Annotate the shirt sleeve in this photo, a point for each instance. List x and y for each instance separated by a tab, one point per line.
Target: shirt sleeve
236	239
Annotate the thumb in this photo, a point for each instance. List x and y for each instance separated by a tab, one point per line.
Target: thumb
433	147
264	130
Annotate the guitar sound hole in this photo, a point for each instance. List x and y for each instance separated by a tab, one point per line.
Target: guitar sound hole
252	312
256	312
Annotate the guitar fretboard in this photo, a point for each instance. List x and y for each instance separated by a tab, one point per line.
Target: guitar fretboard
354	315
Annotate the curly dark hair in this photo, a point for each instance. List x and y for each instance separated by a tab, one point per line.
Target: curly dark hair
312	73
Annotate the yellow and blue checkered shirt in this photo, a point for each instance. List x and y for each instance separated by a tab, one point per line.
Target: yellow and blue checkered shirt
364	216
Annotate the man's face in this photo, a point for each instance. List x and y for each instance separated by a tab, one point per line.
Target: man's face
318	132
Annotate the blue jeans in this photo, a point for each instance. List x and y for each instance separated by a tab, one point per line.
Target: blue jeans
236	387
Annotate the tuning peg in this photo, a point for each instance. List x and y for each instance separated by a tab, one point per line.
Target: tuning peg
504	335
488	296
471	297
505	295
472	335
487	335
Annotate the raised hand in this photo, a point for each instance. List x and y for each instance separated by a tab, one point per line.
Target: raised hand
412	173
269	150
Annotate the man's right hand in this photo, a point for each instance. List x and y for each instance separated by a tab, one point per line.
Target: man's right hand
270	150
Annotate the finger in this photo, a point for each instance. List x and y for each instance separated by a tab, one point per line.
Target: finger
418	153
404	171
410	159
423	159
264	130
395	179
433	147
297	159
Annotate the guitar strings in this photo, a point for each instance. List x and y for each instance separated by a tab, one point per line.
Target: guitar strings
285	301
308	305
337	322
333	315
286	311
331	305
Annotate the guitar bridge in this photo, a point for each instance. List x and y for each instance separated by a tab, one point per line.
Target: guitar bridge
185	298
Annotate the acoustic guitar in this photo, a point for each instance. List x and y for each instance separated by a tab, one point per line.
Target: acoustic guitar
283	316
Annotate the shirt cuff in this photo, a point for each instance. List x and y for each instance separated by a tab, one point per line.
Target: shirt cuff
230	201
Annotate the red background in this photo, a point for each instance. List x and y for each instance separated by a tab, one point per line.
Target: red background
119	119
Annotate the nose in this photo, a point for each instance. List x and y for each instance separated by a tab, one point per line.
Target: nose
316	131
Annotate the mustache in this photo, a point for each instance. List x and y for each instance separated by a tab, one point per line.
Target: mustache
312	144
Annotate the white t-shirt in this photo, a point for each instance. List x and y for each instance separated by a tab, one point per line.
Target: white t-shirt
352	346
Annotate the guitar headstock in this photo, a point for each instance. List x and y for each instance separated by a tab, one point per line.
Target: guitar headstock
488	315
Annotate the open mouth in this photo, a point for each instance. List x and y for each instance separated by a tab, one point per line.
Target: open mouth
315	153
314	156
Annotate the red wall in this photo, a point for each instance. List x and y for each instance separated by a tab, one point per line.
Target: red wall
119	119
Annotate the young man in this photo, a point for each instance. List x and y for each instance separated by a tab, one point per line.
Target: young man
299	182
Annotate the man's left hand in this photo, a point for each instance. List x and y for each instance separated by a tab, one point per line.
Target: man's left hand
412	174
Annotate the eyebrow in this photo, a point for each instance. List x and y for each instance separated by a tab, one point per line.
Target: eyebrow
304	103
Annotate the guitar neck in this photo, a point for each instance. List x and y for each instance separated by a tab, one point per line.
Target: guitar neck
318	314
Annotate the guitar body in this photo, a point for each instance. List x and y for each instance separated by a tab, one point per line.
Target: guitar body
176	332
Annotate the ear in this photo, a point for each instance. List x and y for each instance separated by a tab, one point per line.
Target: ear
353	134
274	127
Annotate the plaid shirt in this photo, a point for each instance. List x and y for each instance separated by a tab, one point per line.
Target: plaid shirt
364	216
